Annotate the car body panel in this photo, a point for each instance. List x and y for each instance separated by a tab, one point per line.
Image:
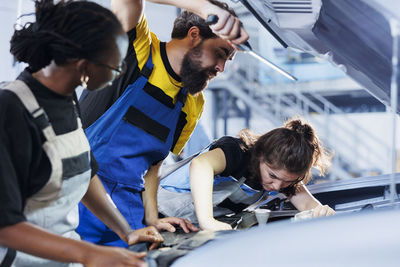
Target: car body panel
354	35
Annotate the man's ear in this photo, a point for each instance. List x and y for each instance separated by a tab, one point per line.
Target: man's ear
193	36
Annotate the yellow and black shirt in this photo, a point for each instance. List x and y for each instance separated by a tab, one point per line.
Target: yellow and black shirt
163	82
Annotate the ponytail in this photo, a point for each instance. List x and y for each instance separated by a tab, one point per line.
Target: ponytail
248	137
63	31
321	159
39	48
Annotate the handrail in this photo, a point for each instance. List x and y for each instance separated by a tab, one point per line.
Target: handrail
251	102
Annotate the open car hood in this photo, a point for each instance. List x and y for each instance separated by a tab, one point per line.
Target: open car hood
362	204
354	35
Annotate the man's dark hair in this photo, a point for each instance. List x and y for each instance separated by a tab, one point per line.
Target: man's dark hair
186	20
66	30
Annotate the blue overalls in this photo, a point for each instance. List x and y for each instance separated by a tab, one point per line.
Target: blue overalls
135	133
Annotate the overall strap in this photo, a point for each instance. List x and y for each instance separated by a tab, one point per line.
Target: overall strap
148	66
76	108
182	95
242	180
8	258
26	96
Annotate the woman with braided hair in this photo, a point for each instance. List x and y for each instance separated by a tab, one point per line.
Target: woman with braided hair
279	160
46	167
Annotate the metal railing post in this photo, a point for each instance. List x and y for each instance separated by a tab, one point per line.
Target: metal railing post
394	27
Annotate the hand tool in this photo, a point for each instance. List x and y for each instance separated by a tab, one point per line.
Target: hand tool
246	48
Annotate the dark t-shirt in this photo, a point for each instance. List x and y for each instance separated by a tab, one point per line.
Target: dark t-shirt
95	103
237	157
24	165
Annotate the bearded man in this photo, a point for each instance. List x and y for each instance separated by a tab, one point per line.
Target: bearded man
153	107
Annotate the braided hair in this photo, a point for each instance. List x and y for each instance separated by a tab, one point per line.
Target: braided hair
63	31
295	147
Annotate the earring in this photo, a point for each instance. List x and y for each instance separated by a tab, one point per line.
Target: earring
84	81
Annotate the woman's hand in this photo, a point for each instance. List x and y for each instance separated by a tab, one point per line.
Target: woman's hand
101	256
214	225
167	224
322	210
146	234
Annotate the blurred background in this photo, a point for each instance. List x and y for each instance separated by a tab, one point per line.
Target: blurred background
349	120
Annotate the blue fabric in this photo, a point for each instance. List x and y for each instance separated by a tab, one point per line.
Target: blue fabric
124	153
247	189
179	182
130	205
198	140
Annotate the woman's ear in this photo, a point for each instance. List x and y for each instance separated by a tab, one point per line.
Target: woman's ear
82	73
82	66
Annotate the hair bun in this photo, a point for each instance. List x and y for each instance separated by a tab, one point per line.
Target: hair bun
300	127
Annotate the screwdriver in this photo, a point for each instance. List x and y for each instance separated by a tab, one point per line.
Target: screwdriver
246	48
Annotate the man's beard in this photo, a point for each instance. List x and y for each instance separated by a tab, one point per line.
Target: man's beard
194	77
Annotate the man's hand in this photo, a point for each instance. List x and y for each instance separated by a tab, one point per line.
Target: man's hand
323	210
147	234
228	26
215	225
167	224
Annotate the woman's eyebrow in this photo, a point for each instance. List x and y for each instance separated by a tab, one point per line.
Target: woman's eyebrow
276	177
273	175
